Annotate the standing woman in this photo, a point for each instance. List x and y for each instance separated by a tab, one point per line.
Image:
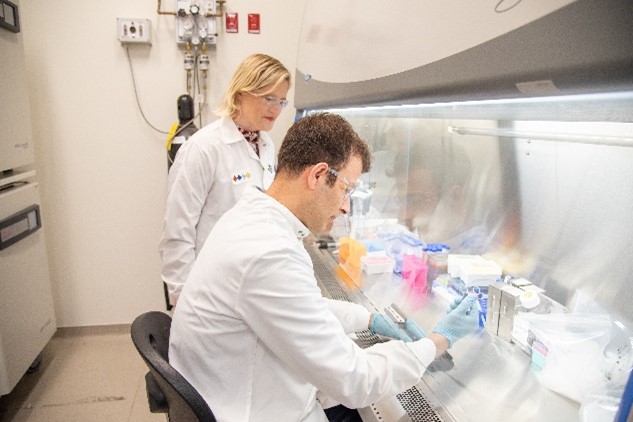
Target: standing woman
218	162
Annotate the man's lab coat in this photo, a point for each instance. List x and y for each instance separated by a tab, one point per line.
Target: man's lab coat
253	334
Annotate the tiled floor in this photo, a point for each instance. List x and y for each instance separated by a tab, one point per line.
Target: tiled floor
87	374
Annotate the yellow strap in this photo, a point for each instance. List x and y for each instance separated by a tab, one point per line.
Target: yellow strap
170	135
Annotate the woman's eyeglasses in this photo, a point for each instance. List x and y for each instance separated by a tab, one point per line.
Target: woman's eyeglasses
271	100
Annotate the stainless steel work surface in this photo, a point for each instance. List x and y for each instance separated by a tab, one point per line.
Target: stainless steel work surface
491	379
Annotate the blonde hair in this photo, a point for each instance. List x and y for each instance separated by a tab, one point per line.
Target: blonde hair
254	73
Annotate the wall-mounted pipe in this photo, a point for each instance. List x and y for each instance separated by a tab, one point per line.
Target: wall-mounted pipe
160	12
220	4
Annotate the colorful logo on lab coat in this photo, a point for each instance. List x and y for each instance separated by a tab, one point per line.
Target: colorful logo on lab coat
241	177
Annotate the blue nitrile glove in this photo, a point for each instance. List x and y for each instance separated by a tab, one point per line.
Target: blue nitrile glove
384	326
454	304
413	330
459	299
459	321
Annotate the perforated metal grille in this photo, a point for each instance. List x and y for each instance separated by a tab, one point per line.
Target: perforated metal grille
366	338
324	275
417	406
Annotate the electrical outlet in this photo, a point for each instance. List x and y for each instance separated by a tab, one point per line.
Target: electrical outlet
136	31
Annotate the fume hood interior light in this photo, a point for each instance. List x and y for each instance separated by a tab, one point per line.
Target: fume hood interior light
561	99
607	107
578	138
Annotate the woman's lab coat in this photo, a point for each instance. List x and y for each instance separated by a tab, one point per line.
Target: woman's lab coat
253	334
209	175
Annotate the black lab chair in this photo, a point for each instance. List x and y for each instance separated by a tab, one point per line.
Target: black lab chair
167	390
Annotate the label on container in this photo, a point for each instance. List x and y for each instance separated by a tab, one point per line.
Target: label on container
539	355
520	329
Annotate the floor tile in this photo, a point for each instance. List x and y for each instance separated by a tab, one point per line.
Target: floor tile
87	374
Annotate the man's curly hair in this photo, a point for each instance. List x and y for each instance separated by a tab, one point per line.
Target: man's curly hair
321	138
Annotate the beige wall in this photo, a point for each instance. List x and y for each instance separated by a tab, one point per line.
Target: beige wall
102	168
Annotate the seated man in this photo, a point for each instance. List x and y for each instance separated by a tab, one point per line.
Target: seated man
252	332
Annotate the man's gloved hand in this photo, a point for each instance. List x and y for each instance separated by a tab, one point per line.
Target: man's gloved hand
459	321
458	300
385	326
413	330
454	304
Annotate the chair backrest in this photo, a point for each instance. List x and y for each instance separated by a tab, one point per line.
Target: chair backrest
150	334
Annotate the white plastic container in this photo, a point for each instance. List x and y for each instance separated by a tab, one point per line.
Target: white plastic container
480	272
376	264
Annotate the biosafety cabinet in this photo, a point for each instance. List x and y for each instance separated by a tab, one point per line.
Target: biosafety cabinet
501	130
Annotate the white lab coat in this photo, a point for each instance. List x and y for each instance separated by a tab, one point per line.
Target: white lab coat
253	334
209	175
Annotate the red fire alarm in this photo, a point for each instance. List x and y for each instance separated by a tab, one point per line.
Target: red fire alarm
253	23
231	22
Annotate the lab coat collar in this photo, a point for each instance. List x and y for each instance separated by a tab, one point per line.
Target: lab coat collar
231	133
300	230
